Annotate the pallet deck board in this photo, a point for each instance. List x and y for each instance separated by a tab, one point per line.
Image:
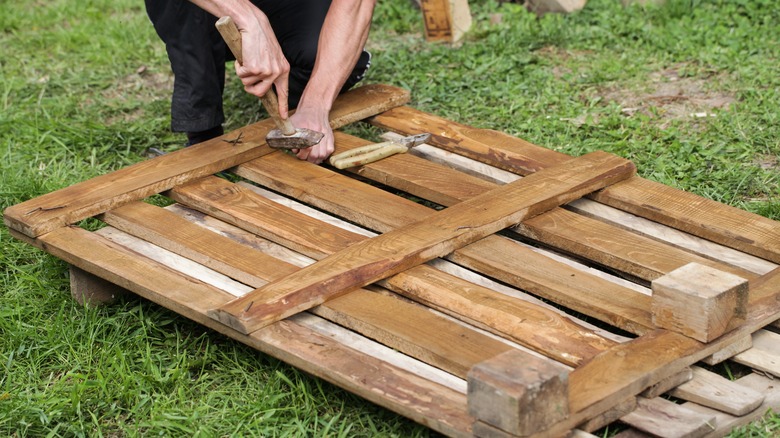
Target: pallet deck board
408	341
440	233
694	214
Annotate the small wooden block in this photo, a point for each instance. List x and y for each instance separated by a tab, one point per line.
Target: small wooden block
541	7
518	392
445	20
699	301
90	289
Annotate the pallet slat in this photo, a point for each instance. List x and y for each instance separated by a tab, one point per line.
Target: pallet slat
694	214
435	236
88	198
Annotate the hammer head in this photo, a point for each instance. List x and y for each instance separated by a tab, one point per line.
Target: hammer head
301	139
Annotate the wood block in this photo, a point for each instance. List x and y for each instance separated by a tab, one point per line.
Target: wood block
541	7
518	392
699	301
445	20
92	290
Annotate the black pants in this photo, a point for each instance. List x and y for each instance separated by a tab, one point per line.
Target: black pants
198	54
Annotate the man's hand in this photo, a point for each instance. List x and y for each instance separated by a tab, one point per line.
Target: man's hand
263	63
316	120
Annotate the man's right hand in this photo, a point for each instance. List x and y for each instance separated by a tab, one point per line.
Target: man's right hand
264	63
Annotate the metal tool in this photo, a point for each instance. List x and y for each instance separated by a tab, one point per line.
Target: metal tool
286	136
369	154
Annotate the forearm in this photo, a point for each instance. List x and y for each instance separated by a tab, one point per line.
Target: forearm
341	42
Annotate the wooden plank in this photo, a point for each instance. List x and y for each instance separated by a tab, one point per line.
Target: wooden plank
88	198
525	323
696	215
667	384
395	251
512	315
592	239
726	423
609	246
587	207
730	350
663	418
235	204
378	381
517	265
714	391
406	327
765	353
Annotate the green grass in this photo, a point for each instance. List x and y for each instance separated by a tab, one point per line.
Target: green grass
84	90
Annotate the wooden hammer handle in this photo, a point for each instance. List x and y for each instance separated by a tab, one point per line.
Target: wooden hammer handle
230	33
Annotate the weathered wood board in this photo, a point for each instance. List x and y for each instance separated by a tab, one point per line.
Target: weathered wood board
565	291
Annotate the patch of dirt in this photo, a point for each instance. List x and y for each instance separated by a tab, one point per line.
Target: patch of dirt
670	96
142	86
768	162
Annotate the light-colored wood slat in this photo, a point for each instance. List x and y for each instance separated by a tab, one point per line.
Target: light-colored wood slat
664	419
714	391
241	236
634	254
406	327
439	234
188	268
726	423
88	198
520	266
672	236
378	381
602	212
764	355
699	216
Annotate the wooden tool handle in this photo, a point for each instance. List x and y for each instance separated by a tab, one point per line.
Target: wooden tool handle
230	33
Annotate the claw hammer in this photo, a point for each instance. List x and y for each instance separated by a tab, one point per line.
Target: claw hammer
285	136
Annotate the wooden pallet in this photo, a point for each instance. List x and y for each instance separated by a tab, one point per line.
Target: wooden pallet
469	319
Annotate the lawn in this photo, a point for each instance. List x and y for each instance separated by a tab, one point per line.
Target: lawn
688	91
